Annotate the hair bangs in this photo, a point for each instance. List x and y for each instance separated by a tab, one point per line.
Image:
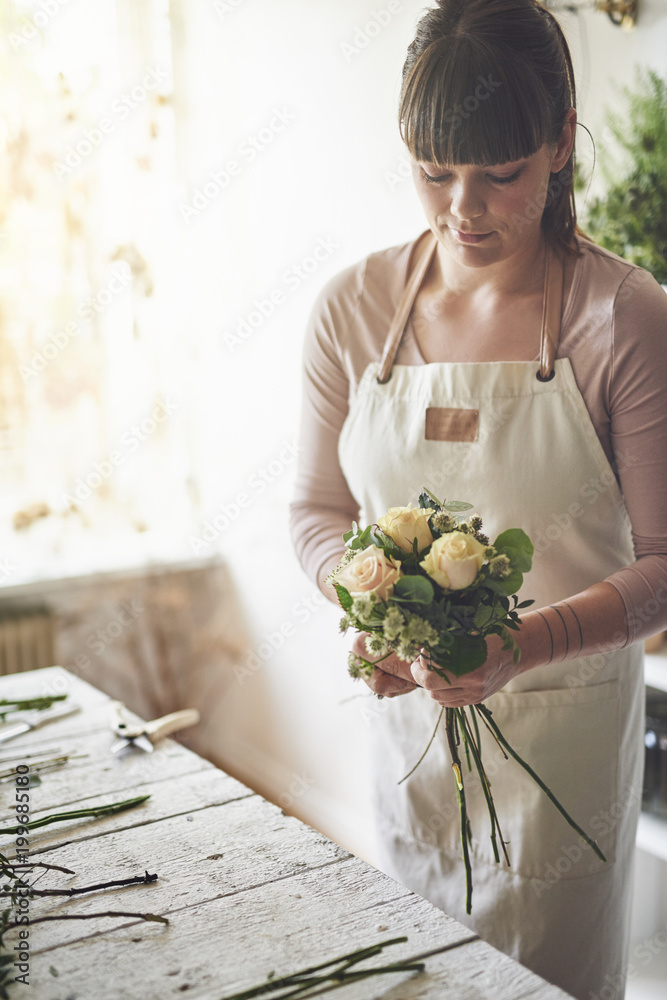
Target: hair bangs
462	103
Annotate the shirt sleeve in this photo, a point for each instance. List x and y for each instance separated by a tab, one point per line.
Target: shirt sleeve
323	507
637	405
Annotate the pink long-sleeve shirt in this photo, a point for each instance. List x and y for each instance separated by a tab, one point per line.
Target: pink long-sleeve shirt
614	331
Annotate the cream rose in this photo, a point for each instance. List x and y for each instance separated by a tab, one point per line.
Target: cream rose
404	524
454	560
370	572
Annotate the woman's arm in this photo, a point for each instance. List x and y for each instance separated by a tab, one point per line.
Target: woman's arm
323	508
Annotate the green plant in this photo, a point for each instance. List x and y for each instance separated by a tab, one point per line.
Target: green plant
630	219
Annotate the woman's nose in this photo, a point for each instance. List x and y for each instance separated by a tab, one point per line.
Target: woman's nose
467	202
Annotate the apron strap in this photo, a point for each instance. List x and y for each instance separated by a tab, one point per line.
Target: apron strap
397	328
552	306
551	311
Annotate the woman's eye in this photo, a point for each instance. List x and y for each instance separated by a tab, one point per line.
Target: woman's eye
430	179
505	180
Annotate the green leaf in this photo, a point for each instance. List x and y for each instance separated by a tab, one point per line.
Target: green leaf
484	613
463	654
517	546
388	545
505	587
525	604
427	499
344	597
457	506
416	589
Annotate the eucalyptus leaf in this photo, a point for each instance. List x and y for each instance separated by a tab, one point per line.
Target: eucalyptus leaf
506	587
457	506
517	546
415	589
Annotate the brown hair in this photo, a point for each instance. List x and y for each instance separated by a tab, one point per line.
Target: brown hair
489	81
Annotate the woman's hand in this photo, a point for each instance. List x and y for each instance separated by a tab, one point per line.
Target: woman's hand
494	674
391	677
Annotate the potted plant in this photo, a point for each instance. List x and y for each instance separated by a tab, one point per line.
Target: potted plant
630	218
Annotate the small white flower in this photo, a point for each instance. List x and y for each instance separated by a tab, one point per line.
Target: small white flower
345	623
362	606
407	650
393	623
376	645
419	630
357	667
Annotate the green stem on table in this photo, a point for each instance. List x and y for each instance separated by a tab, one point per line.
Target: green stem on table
450	723
300	983
94	811
28	704
486	714
428	746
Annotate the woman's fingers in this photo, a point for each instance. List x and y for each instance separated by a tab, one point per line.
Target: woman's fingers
387	686
429	679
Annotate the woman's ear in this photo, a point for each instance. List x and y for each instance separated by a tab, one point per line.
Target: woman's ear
565	144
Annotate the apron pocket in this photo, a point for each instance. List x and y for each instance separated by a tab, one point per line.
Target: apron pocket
570	737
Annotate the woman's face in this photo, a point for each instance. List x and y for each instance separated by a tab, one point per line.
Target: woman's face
482	215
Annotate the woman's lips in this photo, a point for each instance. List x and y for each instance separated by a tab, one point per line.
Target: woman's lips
470	237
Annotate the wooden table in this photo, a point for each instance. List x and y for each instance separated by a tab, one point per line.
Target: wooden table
247	890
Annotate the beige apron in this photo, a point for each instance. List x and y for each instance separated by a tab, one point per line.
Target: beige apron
535	462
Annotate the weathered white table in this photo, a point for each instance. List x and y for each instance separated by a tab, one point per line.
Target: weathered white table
247	890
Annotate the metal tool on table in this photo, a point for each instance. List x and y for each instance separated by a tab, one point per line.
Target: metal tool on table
146	734
28	721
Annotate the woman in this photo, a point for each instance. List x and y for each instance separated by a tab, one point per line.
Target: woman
504	359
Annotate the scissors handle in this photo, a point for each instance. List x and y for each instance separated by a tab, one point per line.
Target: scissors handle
154	730
171	724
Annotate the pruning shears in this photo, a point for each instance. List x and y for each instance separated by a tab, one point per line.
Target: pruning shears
146	734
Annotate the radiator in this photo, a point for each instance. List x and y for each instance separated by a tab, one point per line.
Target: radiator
26	641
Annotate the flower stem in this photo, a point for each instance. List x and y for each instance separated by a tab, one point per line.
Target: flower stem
306	979
486	788
547	791
114	807
450	720
412	770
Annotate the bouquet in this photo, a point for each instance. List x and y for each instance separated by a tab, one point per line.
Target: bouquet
428	582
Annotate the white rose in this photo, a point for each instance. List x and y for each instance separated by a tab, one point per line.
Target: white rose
454	560
370	572
404	524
